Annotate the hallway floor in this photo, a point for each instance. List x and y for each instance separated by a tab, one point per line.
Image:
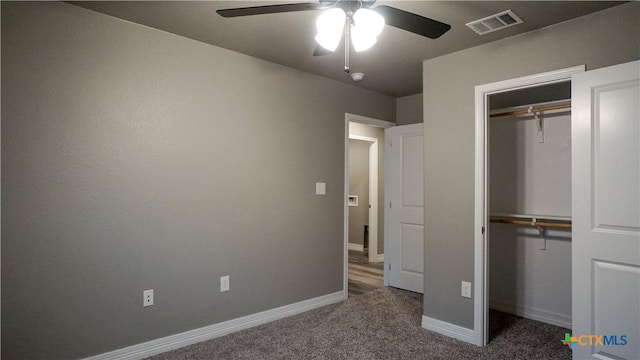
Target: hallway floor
363	275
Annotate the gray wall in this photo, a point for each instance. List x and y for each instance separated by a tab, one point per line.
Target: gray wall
359	186
601	39
135	159
409	110
376	133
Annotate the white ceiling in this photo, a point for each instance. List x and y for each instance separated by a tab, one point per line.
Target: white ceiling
392	67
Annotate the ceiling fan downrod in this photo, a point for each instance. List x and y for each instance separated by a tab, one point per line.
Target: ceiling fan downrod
347	42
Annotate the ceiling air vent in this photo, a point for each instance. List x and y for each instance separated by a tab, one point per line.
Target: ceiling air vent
495	22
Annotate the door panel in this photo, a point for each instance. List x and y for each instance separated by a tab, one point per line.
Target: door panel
412	240
616	196
412	186
404	239
606	211
610	281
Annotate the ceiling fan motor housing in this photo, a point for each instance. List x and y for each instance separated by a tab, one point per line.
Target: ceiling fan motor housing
350	6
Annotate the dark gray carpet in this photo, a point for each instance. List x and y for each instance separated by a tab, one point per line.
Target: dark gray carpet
381	324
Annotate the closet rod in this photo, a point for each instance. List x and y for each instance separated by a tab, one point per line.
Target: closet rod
536	222
532	110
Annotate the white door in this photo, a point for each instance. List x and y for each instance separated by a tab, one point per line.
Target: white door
606	213
404	241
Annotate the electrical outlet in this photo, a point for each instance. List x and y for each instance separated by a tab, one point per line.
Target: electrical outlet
224	283
147	298
466	289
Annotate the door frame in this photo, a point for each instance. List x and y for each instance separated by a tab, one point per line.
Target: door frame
481	177
369	122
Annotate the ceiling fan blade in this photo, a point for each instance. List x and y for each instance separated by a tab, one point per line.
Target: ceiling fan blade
412	22
320	51
269	9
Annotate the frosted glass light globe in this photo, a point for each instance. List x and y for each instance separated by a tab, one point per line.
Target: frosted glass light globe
367	26
330	25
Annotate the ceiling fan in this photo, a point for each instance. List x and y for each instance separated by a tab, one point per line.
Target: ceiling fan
356	20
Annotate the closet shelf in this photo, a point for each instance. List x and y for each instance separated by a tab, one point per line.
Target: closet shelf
535	221
532	109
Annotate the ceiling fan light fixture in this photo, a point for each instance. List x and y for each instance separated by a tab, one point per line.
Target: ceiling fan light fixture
361	42
367	25
330	25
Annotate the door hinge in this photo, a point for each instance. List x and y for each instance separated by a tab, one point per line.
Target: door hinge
390	143
389	204
483	230
389	266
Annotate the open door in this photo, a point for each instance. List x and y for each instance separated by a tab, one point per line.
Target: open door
404	207
606	213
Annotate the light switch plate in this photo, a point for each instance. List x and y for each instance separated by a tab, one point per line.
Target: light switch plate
321	188
224	283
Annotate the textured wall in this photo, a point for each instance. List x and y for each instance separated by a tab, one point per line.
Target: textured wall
604	38
136	159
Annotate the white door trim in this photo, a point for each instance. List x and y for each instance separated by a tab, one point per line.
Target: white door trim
365	121
481	223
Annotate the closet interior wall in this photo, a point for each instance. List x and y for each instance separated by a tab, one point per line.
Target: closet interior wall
530	270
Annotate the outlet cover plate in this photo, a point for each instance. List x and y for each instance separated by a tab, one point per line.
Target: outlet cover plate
147	298
465	290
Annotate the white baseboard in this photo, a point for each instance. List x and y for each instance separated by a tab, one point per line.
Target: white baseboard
532	313
172	342
356	247
448	329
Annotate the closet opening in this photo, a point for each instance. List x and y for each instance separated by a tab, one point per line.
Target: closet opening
529	206
522	270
